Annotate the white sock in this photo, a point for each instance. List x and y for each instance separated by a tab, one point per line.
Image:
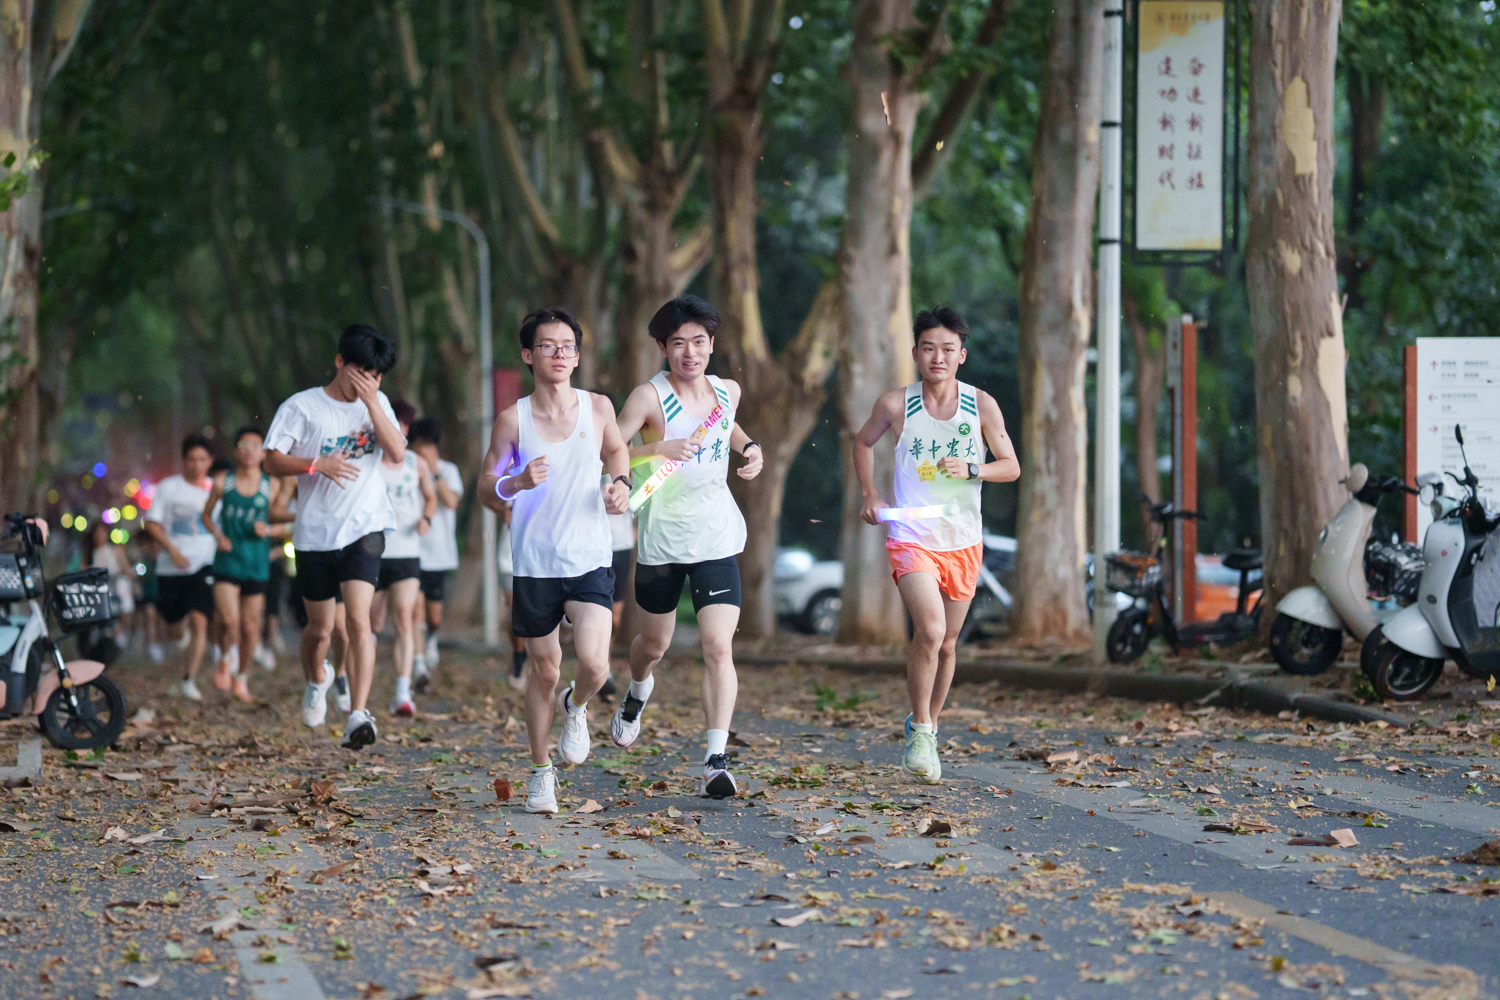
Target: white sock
718	742
926	727
232	655
641	690
403	689
539	768
572	705
327	676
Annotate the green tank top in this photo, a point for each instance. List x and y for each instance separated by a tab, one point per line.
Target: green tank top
250	559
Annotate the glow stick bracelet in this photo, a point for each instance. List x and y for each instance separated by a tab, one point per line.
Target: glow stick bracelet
917	513
671	465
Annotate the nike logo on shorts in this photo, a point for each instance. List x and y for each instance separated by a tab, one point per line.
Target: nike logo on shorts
716	593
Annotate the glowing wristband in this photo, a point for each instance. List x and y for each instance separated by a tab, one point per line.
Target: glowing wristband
312	470
917	513
671	465
502	496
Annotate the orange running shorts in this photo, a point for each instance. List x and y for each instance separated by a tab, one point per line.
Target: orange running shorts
957	572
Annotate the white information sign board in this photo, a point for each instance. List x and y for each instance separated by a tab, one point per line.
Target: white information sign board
1179	125
1458	382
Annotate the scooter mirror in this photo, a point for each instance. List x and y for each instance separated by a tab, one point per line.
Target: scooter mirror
1358	476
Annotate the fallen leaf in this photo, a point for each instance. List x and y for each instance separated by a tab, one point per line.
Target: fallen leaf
1484	854
798	920
1066	757
116	833
927	826
502	789
589	806
18	826
124	775
323	791
900	994
771	944
221	927
1344	837
1312	842
141	981
150	837
860	838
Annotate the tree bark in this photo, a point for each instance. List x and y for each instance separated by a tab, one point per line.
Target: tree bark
1295	316
1150	372
1056	307
38	36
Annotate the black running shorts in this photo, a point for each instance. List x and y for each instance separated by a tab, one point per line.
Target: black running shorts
659	588
396	570
178	595
537	601
622	573
320	574
248	588
434	584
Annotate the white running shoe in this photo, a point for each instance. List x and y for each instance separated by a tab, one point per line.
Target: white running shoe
574	742
266	657
921	760
315	700
518	675
341	699
156	653
403	708
718	783
541	794
432	651
359	730
421	678
189	690
625	724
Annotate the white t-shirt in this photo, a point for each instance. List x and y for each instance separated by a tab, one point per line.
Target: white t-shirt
404	490
329	517
440	544
178	507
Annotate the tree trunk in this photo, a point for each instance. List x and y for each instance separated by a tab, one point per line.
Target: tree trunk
38	36
1366	117
659	263
1150	372
1055	322
1295	316
874	282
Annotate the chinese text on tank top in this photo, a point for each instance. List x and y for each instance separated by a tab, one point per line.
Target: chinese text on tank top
926	441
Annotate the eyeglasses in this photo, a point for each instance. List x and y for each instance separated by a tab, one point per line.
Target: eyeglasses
557	350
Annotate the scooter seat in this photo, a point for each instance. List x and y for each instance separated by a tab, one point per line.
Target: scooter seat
1242	559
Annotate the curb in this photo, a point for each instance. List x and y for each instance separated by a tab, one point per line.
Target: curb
28	769
1224	693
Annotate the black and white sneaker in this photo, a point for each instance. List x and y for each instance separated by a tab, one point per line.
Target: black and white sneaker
625	724
359	730
718	783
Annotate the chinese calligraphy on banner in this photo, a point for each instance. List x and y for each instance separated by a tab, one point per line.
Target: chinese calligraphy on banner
1179	159
1458	382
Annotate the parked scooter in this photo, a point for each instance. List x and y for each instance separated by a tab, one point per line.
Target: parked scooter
80	708
1140	576
1310	621
1455	612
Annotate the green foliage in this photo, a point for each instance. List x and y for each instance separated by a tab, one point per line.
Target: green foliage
828	699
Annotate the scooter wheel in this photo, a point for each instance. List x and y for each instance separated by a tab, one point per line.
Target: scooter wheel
1128	637
1401	676
1303	648
97	722
1368	651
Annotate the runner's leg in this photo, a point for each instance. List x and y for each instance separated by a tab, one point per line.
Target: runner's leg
252	612
321	619
197	625
924	602
357	597
402	596
954	613
716	625
591	628
651	644
544	660
377	612
226	617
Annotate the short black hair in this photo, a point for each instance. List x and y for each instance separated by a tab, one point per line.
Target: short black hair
428	430
220	465
940	316
541	318
679	313
363	346
404	411
248	429
196	441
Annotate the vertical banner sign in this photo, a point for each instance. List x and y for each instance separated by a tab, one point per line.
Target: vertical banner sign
1458	382
1179	126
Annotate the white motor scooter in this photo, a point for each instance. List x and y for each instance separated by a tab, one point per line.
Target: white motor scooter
1310	621
1456	610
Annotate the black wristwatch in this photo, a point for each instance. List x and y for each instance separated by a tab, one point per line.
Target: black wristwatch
973	471
748	446
621	479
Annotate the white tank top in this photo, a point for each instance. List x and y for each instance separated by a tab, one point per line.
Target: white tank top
405	493
692	517
926	441
560	529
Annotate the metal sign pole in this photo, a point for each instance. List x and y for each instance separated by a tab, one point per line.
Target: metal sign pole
1107	369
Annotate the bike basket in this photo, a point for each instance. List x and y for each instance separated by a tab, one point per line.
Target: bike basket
12	586
82	599
1132	573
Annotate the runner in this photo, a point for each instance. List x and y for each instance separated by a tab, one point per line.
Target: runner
941	426
271	642
242	565
691	529
550	444
156	629
283	511
440	545
333	438
408	486
121	578
184	584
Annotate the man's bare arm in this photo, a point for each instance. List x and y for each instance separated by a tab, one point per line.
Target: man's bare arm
882	418
502	453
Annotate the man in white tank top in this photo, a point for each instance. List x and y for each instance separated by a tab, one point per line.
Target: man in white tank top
544	460
690	529
941	427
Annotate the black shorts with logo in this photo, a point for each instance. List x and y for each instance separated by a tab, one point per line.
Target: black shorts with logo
320	574
176	596
434	583
396	570
715	581
537	601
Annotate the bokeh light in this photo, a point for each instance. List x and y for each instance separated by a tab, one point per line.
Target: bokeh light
291	553
87	480
80	523
100	470
67	520
119	536
132	487
144	501
53	496
129	512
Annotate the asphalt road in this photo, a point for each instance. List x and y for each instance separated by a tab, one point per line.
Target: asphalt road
225	851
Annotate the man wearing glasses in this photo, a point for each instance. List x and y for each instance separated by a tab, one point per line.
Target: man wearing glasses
545	461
